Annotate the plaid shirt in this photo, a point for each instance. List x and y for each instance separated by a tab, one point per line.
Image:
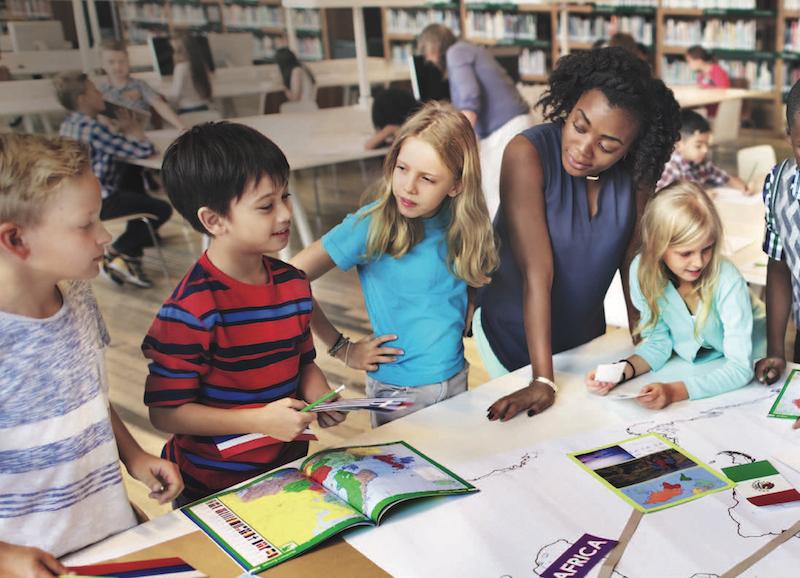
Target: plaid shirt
679	169
773	246
782	217
106	147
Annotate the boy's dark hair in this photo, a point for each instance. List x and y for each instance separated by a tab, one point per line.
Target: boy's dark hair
392	106
212	164
698	52
792	105
627	82
69	86
692	122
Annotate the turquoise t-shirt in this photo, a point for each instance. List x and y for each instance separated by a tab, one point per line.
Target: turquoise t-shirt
415	297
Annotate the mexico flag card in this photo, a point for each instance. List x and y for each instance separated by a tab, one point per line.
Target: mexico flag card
761	484
156	568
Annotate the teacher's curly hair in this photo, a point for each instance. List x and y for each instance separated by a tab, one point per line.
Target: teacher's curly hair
627	82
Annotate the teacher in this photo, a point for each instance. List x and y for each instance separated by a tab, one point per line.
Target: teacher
572	191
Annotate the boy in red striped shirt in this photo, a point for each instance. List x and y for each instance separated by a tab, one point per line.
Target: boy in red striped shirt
231	349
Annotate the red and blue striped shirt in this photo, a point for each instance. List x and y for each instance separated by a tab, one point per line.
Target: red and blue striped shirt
226	344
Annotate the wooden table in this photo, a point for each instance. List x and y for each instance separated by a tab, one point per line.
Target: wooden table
456	433
308	139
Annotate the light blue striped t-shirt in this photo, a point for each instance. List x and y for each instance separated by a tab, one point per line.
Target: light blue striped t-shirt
60	481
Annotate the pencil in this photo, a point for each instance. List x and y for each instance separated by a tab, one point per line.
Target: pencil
324	398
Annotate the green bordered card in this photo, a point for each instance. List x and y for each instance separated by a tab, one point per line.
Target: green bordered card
786	404
651	473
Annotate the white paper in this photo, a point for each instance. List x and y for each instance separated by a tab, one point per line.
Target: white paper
535	502
790	457
610	372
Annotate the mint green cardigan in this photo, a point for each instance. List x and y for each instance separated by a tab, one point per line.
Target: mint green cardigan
727	332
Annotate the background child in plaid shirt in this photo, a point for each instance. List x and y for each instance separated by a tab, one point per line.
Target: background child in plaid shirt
111	141
689	160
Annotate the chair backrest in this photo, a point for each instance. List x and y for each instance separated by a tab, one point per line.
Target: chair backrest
754	164
199	117
725	126
37	35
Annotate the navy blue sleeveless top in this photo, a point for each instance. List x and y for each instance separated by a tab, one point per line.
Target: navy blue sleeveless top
586	253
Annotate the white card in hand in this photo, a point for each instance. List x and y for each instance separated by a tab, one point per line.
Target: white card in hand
609	372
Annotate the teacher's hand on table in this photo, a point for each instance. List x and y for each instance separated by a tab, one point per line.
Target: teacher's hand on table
25	562
598	387
769	369
535	398
368	352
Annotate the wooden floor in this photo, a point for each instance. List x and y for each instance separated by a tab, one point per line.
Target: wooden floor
129	311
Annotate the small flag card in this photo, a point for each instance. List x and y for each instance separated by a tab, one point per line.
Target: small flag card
234	445
787	404
761	484
156	568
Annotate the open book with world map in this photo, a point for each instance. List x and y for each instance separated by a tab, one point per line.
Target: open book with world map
278	515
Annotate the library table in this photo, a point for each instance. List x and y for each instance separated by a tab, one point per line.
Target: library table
420	540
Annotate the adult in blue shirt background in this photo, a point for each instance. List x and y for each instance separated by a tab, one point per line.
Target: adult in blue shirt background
484	92
572	191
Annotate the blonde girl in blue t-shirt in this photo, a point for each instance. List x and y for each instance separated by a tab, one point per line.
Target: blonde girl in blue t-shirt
692	301
417	248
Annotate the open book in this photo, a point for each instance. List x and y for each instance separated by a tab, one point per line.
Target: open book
278	515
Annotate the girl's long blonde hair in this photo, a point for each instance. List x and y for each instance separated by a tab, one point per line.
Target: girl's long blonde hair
471	249
680	214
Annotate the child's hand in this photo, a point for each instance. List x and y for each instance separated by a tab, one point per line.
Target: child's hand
26	562
660	395
769	369
283	420
796	424
161	476
598	387
330	418
368	352
535	398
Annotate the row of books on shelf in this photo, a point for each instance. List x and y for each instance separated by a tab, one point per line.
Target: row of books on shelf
401	52
501	25
533	62
307	19
758	73
711	4
413	21
713	33
791	4
792	36
33	9
591	28
242	16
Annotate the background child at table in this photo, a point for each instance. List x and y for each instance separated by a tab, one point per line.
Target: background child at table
191	76
122	89
783	268
61	445
709	73
692	301
110	143
390	109
299	84
690	162
417	249
231	349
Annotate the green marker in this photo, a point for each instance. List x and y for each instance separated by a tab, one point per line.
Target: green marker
324	398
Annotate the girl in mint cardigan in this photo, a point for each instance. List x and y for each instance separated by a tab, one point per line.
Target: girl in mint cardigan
692	301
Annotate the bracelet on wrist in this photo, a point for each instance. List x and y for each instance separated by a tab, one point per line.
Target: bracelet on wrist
341	341
546	381
633	370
